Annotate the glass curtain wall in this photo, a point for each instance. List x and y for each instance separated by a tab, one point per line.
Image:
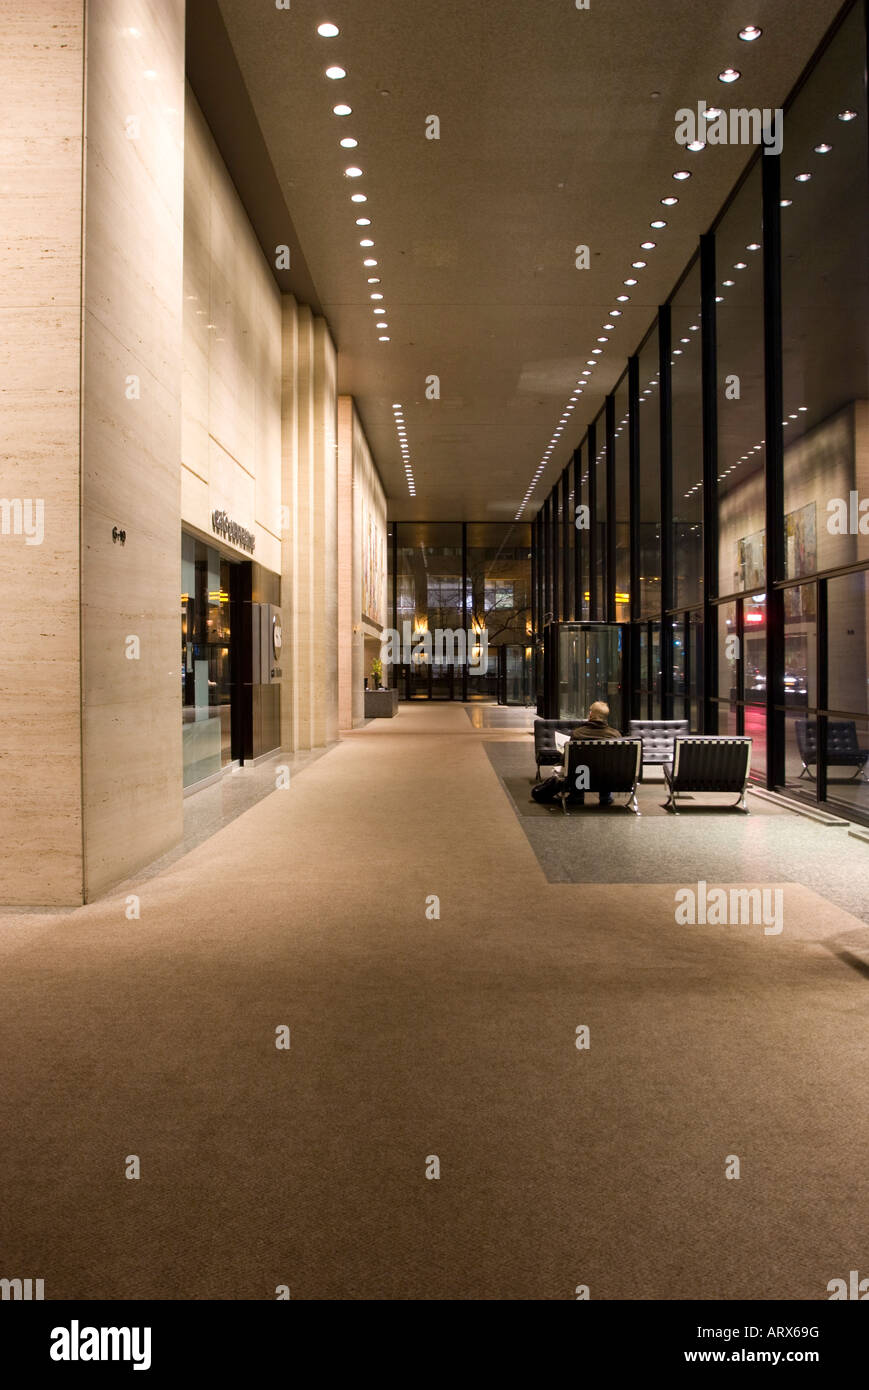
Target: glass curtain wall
622	528
804	217
206	668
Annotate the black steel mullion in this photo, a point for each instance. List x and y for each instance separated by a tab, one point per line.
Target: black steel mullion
591	466
774	405
465	606
553	517
634	483
823	680
609	598
666	422
565	543
576	613
709	343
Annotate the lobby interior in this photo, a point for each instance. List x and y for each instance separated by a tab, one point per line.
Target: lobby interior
356	323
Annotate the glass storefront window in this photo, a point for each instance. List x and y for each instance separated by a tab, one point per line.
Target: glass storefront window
206	675
848	640
599	521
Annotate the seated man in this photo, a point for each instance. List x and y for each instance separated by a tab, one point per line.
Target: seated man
595	726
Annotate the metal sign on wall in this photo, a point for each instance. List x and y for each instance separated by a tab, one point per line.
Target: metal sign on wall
223	525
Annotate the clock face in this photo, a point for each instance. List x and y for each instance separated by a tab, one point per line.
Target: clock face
277	636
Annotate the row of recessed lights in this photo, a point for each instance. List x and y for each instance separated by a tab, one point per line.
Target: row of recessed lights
401	427
728	75
336	73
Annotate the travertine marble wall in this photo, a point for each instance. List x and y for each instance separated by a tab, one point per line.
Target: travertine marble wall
231	424
362	506
41	116
131	435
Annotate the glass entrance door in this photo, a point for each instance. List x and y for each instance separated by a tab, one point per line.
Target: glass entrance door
589	665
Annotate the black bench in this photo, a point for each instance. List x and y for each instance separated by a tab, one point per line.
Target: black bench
843	750
657	736
546	750
703	763
607	765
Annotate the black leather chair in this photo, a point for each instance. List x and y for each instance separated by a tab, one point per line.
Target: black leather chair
608	765
703	763
658	736
843	750
545	749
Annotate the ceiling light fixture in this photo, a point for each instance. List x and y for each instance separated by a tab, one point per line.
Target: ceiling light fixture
750	33
695	146
648	245
353	172
366	241
847	115
657	224
358	198
823	148
729	75
363	221
681	175
328	31
802	178
335	73
342	110
348	143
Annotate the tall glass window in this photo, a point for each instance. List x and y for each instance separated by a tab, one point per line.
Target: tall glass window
599	521
686	369
825	309
650	479
622	518
206	674
741	407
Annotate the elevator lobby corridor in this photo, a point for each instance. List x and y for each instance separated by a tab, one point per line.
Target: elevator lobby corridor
413	1037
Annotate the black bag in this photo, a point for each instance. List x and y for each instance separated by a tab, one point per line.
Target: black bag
544	793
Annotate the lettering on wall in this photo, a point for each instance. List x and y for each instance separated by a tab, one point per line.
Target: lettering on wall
221	525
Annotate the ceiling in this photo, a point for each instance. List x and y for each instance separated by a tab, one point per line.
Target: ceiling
556	130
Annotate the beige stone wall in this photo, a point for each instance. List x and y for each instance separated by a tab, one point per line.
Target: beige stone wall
231	422
362	508
131	435
309	448
41	116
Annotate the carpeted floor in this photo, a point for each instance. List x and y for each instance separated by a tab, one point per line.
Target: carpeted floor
413	1036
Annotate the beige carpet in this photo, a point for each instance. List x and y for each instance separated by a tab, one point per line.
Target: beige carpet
412	1037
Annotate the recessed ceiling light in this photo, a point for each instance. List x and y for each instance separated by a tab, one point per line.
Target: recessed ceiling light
369	260
380	311
669	202
358	198
353	172
648	245
597	350
719	299
802	178
348	143
823	148
750	33
695	146
630	282
363	221
366	241
608	327
786	203
586	373
335	73
623	298
682	174
383	340
603	340
376	295
847	115
729	75
753	246
342	110
328	31
657	224
740	265
615	313
374	279
728	283
638	265
712	113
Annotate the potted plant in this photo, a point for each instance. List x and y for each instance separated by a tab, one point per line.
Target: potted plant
376	673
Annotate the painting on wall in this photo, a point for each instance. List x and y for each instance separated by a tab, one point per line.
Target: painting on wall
372	566
751	559
801	541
